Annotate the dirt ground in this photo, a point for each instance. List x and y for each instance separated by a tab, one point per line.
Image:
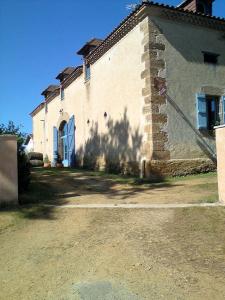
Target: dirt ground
122	254
105	254
75	187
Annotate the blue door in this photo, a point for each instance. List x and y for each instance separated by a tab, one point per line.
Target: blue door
64	140
71	141
55	146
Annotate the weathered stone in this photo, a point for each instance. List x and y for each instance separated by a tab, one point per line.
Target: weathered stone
158	63
155	108
154	71
145	73
158	99
144	27
147	128
156	128
147	100
147	109
160	136
148	118
157	46
145	56
145	40
180	167
145	91
147	150
153	54
159	118
158	145
161	155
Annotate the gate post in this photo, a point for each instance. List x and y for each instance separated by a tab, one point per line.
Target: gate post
8	170
220	147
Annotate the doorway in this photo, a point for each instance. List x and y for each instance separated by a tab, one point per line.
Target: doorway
63	143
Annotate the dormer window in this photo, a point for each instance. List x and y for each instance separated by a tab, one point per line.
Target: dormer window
62	95
201	8
210	58
87	72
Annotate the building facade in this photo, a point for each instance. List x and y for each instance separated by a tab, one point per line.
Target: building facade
145	100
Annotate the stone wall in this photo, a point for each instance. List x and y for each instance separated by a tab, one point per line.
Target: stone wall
8	170
220	145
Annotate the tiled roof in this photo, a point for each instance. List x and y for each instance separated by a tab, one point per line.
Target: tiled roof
50	88
37	109
111	39
92	43
65	72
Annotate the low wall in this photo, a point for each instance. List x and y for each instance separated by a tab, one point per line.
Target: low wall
220	147
179	167
8	170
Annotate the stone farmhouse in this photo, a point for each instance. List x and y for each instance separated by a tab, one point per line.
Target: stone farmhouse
145	100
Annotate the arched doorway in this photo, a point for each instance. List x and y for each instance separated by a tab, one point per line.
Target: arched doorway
63	143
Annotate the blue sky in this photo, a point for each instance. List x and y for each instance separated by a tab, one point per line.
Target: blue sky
39	38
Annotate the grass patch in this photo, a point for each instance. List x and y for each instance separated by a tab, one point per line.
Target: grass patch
38	192
210	199
122	178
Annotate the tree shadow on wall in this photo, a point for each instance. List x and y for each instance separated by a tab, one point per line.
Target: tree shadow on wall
117	149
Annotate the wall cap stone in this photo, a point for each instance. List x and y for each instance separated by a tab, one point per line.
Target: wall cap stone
220	126
8	137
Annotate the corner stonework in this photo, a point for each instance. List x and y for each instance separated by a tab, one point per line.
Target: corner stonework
147	148
158	94
154	95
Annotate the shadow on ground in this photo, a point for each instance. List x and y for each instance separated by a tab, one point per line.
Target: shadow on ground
59	186
71	186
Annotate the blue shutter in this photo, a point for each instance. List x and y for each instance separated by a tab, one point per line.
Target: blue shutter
223	109
202	119
71	141
55	146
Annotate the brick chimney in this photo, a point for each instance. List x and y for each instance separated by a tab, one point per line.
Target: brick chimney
200	6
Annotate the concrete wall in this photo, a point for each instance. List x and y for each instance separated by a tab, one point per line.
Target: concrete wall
186	75
8	170
220	145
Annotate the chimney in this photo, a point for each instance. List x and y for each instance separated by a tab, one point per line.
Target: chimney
199	6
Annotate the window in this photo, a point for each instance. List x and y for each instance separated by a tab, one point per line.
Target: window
210	58
87	72
213	111
201	8
208	111
62	93
46	108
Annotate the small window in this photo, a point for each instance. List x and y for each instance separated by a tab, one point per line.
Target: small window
208	111
62	93
210	58
46	108
87	72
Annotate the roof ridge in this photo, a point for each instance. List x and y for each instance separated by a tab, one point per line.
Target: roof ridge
156	4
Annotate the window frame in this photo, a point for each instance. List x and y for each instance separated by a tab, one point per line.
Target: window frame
62	93
216	100
87	72
206	121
